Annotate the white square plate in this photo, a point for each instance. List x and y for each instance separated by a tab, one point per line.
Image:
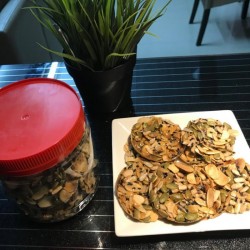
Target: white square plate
125	227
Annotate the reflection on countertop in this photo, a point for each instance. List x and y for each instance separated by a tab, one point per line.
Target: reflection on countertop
160	86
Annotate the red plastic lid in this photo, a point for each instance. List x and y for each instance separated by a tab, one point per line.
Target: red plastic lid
42	121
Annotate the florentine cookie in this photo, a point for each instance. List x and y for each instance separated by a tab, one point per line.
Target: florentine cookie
183	194
132	192
156	139
211	139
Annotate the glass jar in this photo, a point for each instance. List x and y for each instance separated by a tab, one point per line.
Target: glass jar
47	164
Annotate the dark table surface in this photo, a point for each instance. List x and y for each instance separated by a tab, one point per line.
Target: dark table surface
160	86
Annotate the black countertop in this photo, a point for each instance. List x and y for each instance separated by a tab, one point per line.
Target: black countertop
160	86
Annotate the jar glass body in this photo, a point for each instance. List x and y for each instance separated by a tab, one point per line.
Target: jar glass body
61	191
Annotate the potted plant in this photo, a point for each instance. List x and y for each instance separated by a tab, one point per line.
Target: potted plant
99	40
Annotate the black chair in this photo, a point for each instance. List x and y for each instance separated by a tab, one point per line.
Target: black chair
208	4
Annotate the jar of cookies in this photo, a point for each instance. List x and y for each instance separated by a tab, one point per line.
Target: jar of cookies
47	159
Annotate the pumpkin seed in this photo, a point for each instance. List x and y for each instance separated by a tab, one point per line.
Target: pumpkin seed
191	216
157	139
57	193
200	182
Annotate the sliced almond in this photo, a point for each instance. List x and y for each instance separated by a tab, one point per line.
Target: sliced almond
191	178
210	197
184	166
138	199
222	179
212	171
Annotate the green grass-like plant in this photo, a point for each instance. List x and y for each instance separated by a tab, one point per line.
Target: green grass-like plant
98	34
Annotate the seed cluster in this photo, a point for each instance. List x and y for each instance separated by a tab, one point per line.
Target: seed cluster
156	139
200	180
211	139
60	192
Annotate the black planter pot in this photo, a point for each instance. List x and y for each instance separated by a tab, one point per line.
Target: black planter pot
104	91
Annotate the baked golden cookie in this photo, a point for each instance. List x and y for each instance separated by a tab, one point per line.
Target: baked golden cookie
132	192
211	139
183	194
156	139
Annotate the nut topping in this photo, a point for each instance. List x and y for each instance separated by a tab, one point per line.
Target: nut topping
211	139
156	139
182	176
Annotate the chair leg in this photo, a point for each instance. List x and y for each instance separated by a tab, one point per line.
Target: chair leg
203	26
195	6
244	9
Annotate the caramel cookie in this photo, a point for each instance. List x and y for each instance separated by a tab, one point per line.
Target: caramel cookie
132	192
183	194
211	139
156	139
